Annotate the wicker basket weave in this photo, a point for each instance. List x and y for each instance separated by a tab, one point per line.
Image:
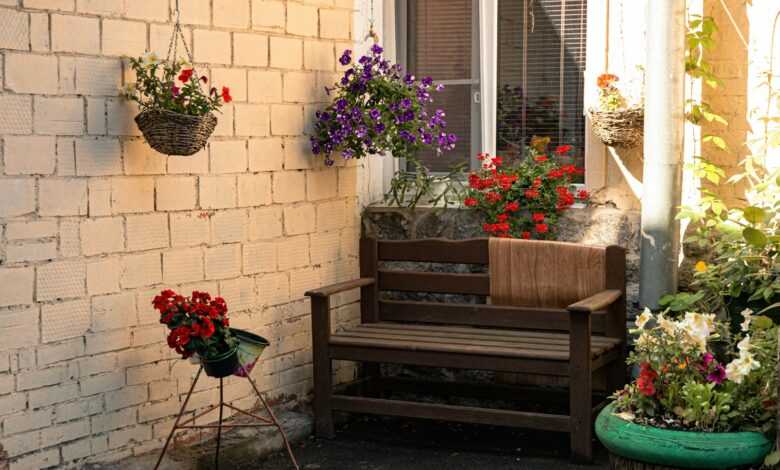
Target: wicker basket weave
624	128
174	133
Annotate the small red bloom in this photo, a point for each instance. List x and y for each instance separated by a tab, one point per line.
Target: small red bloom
185	75
498	161
531	194
541	228
513	206
493	197
582	194
502	217
562	149
204	79
469	202
226	94
646	379
541	158
526	235
537	217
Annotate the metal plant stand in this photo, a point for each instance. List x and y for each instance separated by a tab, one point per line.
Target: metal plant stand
269	421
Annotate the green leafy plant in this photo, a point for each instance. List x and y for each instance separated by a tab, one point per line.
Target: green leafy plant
172	86
410	188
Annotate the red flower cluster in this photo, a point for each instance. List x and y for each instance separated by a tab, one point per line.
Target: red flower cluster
193	321
646	380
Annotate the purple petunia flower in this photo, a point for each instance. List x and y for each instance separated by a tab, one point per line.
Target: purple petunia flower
379	128
345	57
439	87
717	376
376	49
409	79
374	114
427	81
341	104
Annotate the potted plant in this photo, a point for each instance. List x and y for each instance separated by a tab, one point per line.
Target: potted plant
616	122
199	327
523	198
176	115
704	397
376	109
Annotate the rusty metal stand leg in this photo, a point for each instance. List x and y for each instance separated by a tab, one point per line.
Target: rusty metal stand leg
178	418
219	426
275	421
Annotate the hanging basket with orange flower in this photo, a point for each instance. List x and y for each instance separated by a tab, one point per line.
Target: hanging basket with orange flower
615	122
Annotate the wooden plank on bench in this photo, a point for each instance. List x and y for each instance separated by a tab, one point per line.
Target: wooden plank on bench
441	283
473	251
461	414
500	316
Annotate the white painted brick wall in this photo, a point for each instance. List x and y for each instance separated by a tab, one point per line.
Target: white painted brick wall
94	223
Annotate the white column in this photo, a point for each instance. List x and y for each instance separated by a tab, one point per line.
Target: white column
488	44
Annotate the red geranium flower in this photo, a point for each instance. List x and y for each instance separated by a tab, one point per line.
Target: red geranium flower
513	206
469	202
526	235
226	94
185	75
561	149
531	194
582	194
646	379
541	158
537	217
493	197
502	217
541	228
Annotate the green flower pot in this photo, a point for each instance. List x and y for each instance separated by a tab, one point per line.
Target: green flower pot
679	449
223	365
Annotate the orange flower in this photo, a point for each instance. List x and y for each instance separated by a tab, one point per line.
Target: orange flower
606	79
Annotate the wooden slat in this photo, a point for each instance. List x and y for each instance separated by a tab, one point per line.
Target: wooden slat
441	283
340	287
438	250
597	301
481	315
323	371
462	414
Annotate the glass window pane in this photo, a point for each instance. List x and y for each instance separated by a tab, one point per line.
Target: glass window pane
455	100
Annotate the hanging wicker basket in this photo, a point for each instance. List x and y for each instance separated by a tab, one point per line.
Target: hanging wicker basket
174	133
623	128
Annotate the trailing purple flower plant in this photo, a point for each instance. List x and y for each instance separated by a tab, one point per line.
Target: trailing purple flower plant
376	109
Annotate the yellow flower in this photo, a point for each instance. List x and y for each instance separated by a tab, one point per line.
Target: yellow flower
701	267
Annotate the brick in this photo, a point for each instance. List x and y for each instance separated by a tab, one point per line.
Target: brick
53	395
231	13
133	435
212	46
265	154
254	189
151	412
325	247
273	289
286	119
87	41
235	79
107	341
289	186
148	373
60	352
12	403
195	12
331	216
140	270
15	29
31	251
20	326
103	276
28	229
28	421
265	223
146	232
197	164
99	197
140	159
176	193
59	116
250	49
7	383
98	157
183	266
152	10
70	244
61	197
223	262
64	320
102	77
301	19
238	293
104	235
301	280
265	86
225	123
300	87
17	197
39	32
293	252
99	7
321	184
160	36
299	219
127	396
66	157
67	75
30	155
124	38
114	420
189	229
43	459
217	192
16	117
31	73
162	389
252	120
318	55
111	312
132	194
228	156
16	286
335	24
229	226
267	14
60	279
286	53
76	450
121	114
64	432
62	5
42	378
98	364
260	257
348	181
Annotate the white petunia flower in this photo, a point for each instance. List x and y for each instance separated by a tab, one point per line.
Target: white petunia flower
668	326
643	318
744	345
150	58
747	314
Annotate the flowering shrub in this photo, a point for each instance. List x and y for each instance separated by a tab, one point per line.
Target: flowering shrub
199	324
169	85
696	375
610	97
378	109
524	199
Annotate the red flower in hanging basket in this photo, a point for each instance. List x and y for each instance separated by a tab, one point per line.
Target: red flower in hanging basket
226	94
186	75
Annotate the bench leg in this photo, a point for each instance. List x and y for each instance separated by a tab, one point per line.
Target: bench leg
323	367
580	389
616	375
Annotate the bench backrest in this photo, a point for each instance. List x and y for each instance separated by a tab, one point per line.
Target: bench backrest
548	271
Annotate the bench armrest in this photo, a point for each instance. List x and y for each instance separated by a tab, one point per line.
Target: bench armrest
596	302
327	291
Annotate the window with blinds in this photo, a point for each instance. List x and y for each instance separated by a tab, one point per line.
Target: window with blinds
541	65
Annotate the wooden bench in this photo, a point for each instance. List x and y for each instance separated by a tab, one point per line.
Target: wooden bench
578	341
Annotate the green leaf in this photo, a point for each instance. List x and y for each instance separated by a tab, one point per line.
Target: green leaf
754	215
772	459
754	237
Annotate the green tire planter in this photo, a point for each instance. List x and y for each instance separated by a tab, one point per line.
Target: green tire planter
223	365
679	449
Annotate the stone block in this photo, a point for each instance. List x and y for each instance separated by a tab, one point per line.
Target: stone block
176	193
250	49
266	154
286	53
17	197
87	41
60	280
64	320
265	86
103	235
103	276
31	73
147	232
